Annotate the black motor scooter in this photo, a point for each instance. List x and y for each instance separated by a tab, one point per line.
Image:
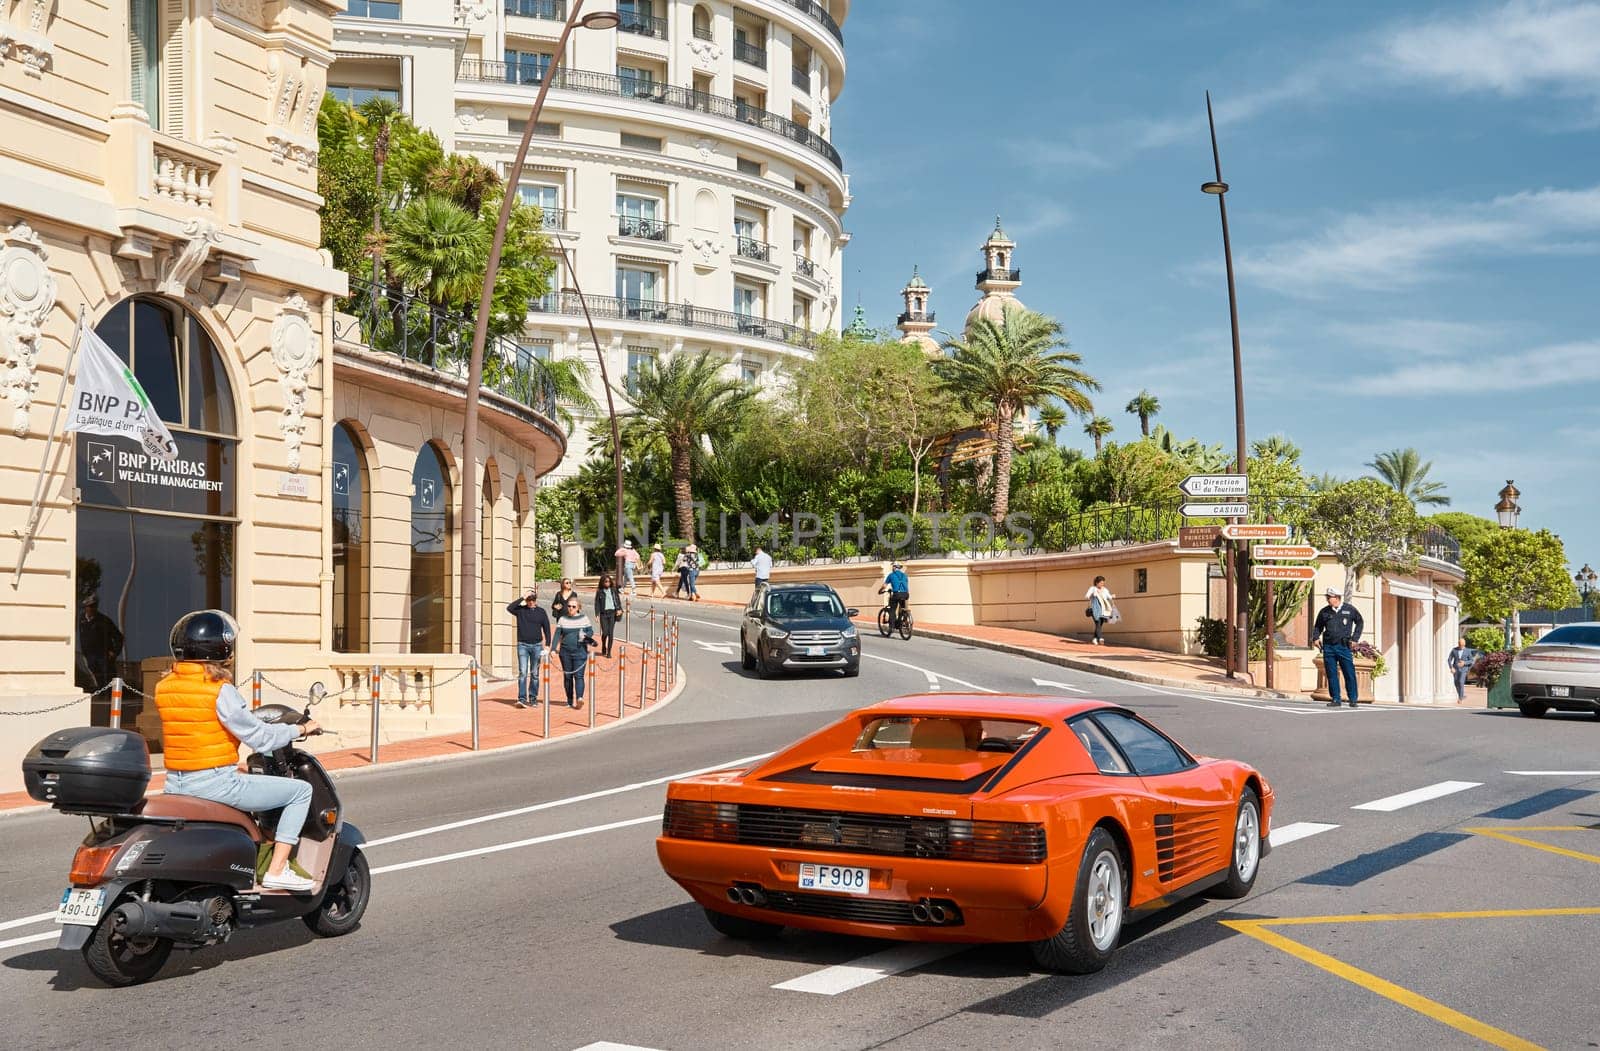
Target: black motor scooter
175	871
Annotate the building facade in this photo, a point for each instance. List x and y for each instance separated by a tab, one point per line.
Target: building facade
692	184
159	165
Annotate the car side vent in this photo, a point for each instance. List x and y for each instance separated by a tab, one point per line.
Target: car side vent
1184	846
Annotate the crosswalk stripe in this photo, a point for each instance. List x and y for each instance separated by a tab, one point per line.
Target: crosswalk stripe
831	981
1389	804
608	1045
1298	830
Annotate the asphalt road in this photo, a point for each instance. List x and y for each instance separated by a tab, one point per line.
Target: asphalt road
569	936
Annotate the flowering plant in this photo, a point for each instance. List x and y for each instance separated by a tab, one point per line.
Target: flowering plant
1488	668
1367	651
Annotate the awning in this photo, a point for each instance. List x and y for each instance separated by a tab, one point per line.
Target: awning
1421	592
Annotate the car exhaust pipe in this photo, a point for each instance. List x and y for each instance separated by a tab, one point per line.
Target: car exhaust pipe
920	913
937	914
733	895
752	895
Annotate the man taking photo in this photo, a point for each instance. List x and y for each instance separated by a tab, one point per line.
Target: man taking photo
533	635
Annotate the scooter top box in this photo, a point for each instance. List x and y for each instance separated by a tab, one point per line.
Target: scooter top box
88	770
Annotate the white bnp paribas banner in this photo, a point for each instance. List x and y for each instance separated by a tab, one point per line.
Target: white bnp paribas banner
107	399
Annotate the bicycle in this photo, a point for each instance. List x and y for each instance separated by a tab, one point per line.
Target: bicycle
903	624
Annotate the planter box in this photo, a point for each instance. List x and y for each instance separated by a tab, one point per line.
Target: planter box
1285	673
1363	680
1500	692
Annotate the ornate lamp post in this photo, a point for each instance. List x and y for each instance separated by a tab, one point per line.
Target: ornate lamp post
1585	579
480	336
1507	511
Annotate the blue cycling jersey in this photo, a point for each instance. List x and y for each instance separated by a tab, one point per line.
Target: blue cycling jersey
898	581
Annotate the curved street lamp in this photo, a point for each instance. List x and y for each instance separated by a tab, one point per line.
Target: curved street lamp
480	336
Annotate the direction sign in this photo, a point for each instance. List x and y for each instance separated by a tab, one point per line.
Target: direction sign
1198	538
1256	531
1209	485
1271	572
1215	511
1270	551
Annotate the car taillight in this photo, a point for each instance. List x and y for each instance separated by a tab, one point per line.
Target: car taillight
693	819
1014	841
89	864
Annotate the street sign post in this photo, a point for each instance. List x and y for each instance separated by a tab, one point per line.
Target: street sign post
1198	538
1254	531
1210	486
1217	510
1279	551
1272	572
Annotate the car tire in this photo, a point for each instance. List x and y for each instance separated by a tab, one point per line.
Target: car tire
1245	858
741	928
1532	709
852	671
747	662
1086	942
763	669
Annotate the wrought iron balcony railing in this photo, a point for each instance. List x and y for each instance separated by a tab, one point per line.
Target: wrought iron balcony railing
805	267
800	78
550	10
750	54
1441	546
395	322
643	25
916	316
820	13
684	316
750	248
585	82
996	274
552	218
702	32
643	229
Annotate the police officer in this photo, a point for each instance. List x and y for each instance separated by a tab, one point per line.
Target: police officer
1337	628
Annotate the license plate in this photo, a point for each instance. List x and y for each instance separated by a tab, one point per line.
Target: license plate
839	879
1561	691
81	907
813	651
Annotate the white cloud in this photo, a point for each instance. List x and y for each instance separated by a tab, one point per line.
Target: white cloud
1512	50
1490	375
1423	337
1400	247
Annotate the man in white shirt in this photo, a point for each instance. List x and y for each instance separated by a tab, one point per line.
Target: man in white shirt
630	566
762	562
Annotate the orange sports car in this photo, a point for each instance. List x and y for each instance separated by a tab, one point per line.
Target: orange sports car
968	818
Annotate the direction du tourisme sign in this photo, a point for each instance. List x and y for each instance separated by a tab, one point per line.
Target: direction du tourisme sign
1212	486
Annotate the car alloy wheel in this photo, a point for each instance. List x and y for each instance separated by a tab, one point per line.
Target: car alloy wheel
1247	840
1104	901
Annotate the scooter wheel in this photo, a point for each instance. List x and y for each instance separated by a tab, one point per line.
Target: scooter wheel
344	902
121	961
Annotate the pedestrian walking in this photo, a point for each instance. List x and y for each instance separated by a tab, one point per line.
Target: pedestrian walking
680	566
574	636
564	594
533	635
1102	608
1337	628
630	566
762	564
658	562
695	565
99	644
608	606
1460	661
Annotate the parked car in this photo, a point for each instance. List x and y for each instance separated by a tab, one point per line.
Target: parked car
1560	671
951	818
792	627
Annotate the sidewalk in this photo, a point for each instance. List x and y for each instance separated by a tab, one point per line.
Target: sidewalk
501	724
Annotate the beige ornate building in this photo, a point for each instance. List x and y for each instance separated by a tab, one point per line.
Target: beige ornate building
695	186
158	160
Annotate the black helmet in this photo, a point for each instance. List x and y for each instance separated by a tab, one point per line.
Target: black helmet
204	635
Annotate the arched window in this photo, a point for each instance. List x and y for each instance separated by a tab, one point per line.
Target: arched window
430	553
154	540
702	22
351	544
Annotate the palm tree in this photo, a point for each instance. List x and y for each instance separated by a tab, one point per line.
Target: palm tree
439	248
1052	418
465	180
1405	471
1321	483
1097	429
1143	405
679	401
1021	363
1276	447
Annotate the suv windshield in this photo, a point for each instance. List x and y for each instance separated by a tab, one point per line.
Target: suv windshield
1575	635
803	605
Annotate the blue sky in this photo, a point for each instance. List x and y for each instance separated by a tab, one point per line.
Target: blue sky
1415	211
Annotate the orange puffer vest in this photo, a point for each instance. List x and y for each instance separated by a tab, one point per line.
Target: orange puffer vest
194	738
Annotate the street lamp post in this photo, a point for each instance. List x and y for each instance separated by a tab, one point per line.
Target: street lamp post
480	332
1238	593
1507	511
1585	579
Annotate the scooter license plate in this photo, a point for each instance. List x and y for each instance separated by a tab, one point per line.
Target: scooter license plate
81	906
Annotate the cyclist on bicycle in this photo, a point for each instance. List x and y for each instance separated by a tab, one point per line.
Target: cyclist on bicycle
898	585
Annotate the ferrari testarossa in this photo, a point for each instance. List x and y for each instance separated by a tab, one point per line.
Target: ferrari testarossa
968	818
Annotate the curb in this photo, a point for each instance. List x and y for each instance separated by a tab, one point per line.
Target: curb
431	760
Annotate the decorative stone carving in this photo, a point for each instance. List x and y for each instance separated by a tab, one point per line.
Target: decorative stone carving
294	351
467	12
27	294
708	247
470	118
29	42
252	11
202	236
706	147
707	53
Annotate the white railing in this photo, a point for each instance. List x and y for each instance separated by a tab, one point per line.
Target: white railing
182	176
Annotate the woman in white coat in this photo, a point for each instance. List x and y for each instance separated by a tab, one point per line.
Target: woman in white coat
1102	607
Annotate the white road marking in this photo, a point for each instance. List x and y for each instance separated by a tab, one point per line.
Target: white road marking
724	648
607	1045
1299	830
1059	685
1389	804
26	920
552	804
1555	773
1257	705
46	936
933	682
831	981
497	848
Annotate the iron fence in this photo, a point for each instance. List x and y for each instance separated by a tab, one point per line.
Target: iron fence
615	309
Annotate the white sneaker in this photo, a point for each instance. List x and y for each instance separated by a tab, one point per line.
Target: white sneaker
287	880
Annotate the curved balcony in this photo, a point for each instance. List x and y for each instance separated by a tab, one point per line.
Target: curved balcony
585	82
818	13
995	274
683	316
750	248
916	317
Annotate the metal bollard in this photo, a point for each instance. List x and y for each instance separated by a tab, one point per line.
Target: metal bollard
672	664
644	671
377	682
549	698
661	670
255	690
472	678
622	679
116	703
593	690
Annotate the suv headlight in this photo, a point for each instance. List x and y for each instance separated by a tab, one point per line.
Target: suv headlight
849	632
774	633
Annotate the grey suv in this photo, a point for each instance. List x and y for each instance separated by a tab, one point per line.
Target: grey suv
789	627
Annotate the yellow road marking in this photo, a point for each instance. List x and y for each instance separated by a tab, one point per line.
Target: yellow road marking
1259	930
1550	848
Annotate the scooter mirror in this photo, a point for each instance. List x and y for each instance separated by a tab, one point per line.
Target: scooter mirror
318	691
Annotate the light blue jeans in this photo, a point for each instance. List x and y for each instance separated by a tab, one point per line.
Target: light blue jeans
528	656
251	793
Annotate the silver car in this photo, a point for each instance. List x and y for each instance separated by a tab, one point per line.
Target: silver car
1560	671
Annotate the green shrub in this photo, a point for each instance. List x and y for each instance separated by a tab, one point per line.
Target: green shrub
1212	634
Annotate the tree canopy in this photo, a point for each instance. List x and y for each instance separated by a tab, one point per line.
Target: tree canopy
1369	526
1511	570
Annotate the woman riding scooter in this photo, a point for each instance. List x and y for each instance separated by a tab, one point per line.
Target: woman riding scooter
204	720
